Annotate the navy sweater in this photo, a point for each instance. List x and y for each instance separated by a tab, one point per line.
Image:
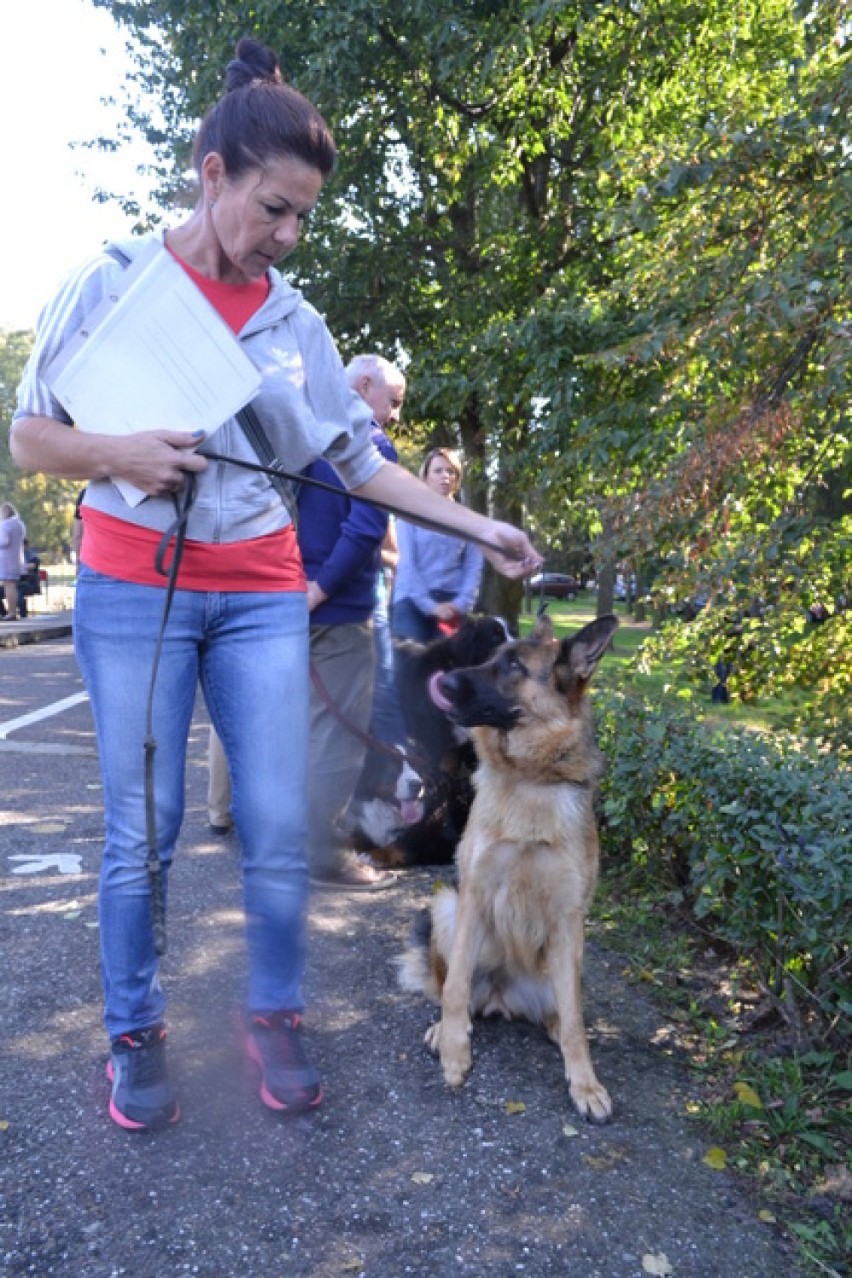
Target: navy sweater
340	538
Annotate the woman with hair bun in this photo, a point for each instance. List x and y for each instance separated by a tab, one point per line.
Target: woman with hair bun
239	617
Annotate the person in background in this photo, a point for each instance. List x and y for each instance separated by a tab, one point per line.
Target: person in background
340	540
239	614
387	723
381	385
30	582
438	575
12	534
219	795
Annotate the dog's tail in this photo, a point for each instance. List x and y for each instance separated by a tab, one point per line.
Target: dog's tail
422	966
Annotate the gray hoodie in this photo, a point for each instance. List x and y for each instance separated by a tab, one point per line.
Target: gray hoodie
305	405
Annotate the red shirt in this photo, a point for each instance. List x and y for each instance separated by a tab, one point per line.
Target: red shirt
126	551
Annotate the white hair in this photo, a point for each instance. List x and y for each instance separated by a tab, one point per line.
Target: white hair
372	366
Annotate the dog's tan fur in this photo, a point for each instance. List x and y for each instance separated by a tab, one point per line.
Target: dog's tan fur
510	941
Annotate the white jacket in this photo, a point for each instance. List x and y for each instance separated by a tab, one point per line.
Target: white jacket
305	405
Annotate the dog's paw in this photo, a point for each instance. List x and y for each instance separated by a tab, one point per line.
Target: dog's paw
432	1037
456	1057
592	1101
456	1068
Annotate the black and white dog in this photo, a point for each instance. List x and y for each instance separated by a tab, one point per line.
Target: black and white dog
412	811
390	797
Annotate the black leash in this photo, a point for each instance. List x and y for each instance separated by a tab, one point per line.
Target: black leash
153	863
252	428
276	471
419	762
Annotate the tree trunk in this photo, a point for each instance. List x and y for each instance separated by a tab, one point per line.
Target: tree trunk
497	595
605	566
605	580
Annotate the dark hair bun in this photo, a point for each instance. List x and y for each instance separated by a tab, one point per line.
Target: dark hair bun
254	61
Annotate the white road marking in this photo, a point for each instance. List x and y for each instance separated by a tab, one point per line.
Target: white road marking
38	863
35	716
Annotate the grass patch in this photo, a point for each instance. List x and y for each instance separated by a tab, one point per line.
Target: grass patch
782	1120
779	1112
670	681
569	616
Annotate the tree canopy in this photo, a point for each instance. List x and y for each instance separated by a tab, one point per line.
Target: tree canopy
611	241
46	505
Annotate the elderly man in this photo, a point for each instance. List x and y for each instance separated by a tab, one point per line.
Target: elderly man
341	543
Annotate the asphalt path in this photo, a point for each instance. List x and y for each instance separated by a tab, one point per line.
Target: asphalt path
394	1175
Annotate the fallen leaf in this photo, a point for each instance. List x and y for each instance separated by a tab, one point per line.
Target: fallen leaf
657	1264
747	1095
569	1131
4	1124
607	1160
422	1178
716	1158
766	1215
515	1107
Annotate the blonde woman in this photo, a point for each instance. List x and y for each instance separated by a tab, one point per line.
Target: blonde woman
438	575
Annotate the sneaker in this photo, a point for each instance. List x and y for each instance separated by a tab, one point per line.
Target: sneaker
353	874
288	1082
221	828
142	1098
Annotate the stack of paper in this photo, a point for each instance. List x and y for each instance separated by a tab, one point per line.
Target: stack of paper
154	355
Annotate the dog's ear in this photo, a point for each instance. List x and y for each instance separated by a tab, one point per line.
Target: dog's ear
579	656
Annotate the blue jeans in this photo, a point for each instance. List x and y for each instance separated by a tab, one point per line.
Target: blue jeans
408	622
386	723
250	652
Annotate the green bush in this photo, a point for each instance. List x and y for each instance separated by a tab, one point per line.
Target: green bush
752	832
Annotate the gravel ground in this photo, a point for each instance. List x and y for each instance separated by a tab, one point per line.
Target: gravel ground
394	1175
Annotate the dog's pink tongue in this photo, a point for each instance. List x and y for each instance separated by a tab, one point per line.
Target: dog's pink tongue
411	810
437	694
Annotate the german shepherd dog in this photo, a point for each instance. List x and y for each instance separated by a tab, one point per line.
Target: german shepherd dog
509	940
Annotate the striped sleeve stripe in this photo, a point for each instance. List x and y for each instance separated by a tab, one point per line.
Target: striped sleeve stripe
59	320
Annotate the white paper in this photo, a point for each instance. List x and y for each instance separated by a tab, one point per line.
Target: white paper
154	355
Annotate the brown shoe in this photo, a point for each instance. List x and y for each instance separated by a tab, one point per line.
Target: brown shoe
353	874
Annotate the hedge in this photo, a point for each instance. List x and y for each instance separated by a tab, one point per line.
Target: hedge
752	831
